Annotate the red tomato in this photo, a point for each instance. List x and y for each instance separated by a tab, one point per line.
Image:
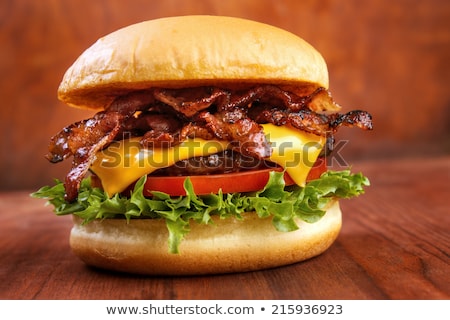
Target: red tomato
229	183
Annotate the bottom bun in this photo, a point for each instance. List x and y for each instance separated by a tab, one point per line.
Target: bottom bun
229	245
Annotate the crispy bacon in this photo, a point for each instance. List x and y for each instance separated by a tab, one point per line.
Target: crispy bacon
166	117
246	135
357	118
156	129
82	140
318	101
192	100
310	121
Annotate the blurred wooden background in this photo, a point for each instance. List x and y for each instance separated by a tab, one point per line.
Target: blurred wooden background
391	58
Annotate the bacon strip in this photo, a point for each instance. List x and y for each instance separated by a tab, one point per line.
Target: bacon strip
192	100
310	121
320	100
246	135
165	117
82	140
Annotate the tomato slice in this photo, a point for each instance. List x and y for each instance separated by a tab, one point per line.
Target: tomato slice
246	181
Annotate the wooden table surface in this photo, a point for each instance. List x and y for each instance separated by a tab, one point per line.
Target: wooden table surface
395	244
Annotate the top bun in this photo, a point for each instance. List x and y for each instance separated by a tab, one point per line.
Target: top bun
189	51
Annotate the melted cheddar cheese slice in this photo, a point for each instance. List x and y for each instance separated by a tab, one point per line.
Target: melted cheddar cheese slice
124	162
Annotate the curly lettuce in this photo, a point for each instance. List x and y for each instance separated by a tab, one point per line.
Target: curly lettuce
283	204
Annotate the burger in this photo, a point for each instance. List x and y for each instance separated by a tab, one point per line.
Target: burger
206	152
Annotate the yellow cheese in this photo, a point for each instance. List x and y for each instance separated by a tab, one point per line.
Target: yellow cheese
124	162
294	150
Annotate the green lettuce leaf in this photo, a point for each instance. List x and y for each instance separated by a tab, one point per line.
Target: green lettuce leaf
283	204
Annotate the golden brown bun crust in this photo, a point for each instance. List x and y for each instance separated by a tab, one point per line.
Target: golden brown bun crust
190	51
228	246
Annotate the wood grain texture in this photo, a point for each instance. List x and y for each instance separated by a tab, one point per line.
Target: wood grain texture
395	244
388	57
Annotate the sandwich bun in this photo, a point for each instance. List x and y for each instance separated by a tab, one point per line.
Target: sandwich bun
191	51
140	245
